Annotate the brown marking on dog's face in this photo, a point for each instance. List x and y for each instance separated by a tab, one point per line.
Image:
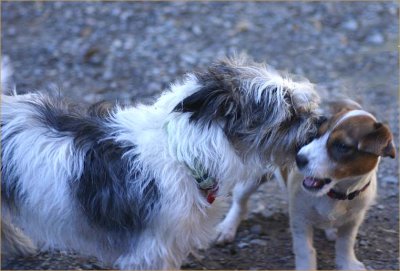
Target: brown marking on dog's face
355	145
337	114
337	109
340	106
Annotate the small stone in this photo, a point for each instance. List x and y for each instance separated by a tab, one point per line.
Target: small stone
390	179
117	43
108	75
116	12
197	30
11	31
153	87
125	15
256	229
380	207
242	245
350	25
91	98
243	26
90	10
393	10
388	240
129	43
258	242
363	243
190	59
376	38
317	25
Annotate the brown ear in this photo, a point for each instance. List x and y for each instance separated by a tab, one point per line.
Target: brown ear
343	104
378	142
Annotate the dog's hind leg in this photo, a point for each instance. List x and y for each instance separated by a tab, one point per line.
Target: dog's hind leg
227	228
14	242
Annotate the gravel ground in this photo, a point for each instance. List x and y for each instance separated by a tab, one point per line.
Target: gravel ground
131	51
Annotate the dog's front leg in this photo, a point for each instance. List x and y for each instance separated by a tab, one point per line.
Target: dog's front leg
303	248
148	259
227	228
346	237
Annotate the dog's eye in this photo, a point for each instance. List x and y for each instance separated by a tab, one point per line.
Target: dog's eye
342	147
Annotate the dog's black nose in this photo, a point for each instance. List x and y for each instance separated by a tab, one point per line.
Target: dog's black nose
301	161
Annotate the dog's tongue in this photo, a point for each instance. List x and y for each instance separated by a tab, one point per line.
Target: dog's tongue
313	182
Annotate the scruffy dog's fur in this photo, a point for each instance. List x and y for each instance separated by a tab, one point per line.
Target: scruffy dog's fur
118	183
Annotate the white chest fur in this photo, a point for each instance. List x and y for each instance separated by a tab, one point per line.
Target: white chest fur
325	212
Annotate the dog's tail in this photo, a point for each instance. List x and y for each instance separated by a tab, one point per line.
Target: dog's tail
9	95
6	74
14	243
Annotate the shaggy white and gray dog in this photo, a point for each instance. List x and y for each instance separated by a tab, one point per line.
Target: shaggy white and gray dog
135	186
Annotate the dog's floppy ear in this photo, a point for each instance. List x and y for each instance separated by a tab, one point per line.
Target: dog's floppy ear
341	105
210	103
218	97
379	141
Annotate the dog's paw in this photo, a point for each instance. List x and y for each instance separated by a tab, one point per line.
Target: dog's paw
225	234
331	234
352	265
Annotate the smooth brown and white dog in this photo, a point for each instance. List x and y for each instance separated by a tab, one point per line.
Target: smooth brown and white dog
338	170
334	188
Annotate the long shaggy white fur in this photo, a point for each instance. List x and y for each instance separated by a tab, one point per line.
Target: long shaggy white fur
150	213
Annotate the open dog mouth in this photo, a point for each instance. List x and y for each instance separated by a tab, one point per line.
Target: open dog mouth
315	184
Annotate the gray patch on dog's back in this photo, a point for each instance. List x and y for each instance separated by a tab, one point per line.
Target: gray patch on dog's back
6	74
112	190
